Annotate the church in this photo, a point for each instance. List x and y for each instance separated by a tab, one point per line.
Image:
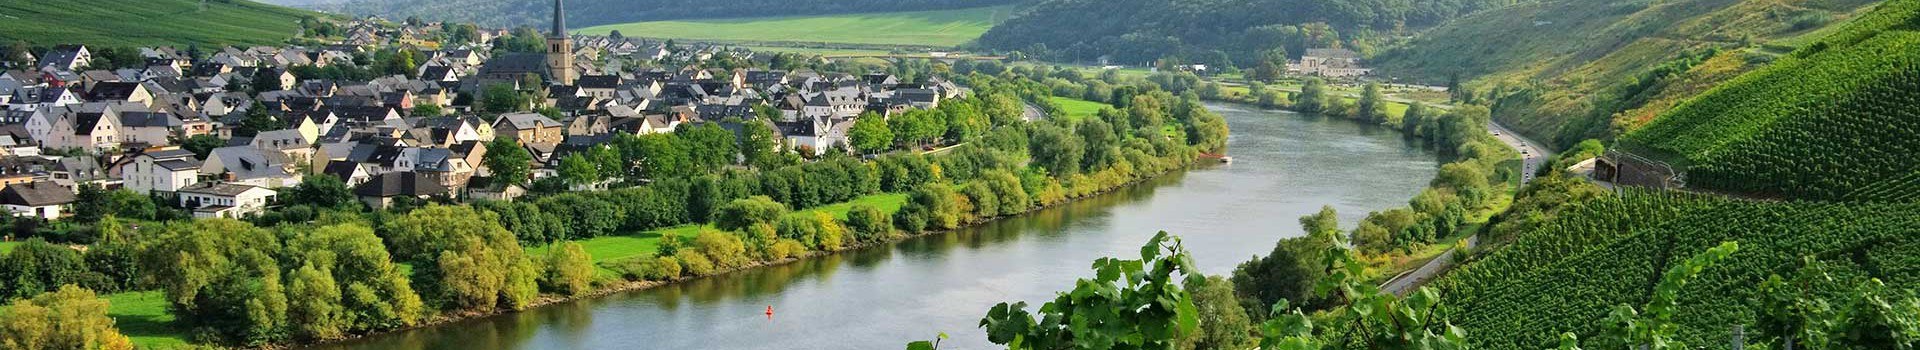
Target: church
556	66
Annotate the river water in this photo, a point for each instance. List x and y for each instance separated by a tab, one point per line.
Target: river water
1286	165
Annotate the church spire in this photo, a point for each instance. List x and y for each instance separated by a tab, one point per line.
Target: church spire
559	20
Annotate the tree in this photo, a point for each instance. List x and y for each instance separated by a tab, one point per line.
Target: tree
1372	107
759	145
870	134
743	213
428	110
368	290
507	162
1415	116
868	223
464	258
257	120
38	267
19	55
576	170
68	318
220	276
569	269
1291	270
1313	97
265	80
501	98
202	145
324	191
709	147
1145	309
1223	323
725	249
1056	150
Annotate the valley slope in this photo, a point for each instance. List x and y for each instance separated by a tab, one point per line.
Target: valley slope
148	22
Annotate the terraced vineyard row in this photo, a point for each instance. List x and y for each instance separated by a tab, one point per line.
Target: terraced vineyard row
1861	147
1566	276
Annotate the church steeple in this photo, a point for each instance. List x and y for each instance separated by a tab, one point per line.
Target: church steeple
560	49
559	20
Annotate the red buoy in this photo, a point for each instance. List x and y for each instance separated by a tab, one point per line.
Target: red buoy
769	312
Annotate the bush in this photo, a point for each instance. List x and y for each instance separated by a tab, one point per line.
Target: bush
569	270
723	249
693	263
648	268
785	248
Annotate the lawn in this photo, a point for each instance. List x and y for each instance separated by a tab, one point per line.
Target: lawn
920	28
143	316
147	22
8	246
1078	108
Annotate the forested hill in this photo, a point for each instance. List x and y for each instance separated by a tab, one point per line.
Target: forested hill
585	13
1138	31
148	22
1569	70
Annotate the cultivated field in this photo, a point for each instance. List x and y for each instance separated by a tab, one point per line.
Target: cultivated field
919	28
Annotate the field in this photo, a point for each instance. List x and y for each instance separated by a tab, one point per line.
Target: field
8	246
147	22
920	28
1077	108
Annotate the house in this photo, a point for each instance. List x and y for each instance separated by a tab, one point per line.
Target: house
440	164
70	172
351	173
382	190
1332	63
66	57
225	200
41	199
151	128
529	128
251	166
91	127
122	91
160	171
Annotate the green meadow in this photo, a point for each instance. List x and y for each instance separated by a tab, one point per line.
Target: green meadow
918	28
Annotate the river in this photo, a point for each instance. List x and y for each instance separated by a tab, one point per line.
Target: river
1286	165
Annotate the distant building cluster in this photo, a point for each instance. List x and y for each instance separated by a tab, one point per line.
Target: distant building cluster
1331	63
66	125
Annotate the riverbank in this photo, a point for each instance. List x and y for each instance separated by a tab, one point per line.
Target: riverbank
605	288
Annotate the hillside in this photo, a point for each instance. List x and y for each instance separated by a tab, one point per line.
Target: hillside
1566	275
1565	70
1833	120
1140	31
586	13
147	22
919	28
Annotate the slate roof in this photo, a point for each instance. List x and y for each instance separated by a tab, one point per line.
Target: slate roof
217	188
525	121
400	183
36	194
148	119
114	90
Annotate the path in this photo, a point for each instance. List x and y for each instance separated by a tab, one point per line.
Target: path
1032	113
1533	156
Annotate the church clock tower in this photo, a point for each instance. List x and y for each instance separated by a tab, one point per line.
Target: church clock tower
560	49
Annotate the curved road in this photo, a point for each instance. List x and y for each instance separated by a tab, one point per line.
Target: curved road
1533	156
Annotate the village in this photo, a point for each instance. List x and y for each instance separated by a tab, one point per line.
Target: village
184	130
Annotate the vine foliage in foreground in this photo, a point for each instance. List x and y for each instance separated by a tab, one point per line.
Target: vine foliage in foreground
1129	304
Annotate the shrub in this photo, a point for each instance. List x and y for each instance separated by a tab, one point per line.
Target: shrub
694	264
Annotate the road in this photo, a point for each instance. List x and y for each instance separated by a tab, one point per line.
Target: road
1032	113
1532	154
1533	157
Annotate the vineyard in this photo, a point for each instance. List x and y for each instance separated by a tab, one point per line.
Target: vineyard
1564	276
1831	121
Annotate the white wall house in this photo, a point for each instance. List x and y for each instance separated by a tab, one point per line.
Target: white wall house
225	200
162	171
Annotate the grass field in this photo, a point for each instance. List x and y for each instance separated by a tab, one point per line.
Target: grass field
147	22
8	246
919	28
1078	108
143	316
